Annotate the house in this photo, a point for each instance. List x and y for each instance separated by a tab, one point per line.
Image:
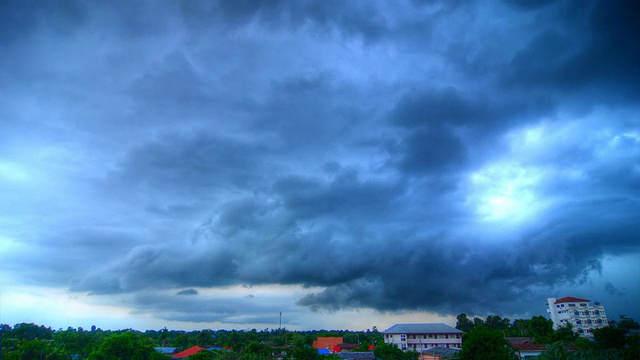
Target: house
188	352
525	348
583	315
439	353
357	355
347	347
423	336
528	351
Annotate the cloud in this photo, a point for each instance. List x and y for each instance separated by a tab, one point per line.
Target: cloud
187	292
419	156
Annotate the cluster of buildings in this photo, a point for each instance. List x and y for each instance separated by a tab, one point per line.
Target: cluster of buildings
440	341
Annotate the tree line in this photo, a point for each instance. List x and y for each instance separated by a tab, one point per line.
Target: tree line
482	339
38	342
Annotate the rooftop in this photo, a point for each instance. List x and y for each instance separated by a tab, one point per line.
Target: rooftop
568	299
441	351
425	328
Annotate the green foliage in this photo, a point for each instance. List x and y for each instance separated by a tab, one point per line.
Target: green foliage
463	323
126	346
561	351
625	324
609	338
632	350
564	334
205	355
390	352
541	329
26	331
482	343
256	350
305	353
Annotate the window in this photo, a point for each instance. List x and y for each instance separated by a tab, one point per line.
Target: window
572	305
446	336
576	313
403	337
424	336
583	304
430	336
404	346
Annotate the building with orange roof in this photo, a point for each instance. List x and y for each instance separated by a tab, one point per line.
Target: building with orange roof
330	343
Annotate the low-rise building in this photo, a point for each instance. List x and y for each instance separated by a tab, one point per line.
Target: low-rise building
421	337
583	315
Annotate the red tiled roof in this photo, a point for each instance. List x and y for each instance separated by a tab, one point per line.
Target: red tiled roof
570	299
327	342
188	352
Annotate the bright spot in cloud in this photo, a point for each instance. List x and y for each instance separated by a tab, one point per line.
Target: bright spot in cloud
505	192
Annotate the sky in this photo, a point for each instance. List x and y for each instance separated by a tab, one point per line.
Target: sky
349	164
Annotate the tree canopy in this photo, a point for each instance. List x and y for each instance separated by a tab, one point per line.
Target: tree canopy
483	343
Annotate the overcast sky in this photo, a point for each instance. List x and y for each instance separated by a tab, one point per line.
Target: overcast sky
208	164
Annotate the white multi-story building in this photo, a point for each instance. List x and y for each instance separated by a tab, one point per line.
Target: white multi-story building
420	337
583	315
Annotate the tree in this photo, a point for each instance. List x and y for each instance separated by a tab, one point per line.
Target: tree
609	338
305	353
204	355
391	352
497	322
541	329
625	324
126	346
256	350
482	343
565	333
463	323
521	326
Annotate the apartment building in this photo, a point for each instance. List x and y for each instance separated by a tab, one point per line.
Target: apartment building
583	315
420	337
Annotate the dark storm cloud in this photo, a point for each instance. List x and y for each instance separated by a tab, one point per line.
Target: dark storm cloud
432	149
602	60
419	156
191	163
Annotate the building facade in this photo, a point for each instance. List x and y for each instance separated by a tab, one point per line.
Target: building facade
583	315
420	337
